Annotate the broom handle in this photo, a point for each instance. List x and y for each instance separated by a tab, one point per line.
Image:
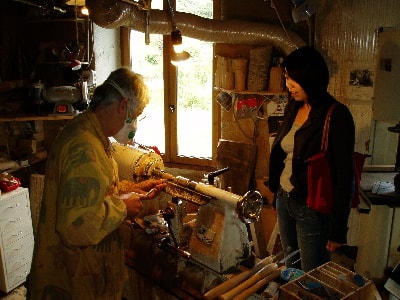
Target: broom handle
237	279
268	269
258	285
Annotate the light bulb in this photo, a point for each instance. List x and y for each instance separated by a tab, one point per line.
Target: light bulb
178	48
84	11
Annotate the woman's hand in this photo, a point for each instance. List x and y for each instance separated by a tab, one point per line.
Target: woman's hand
332	246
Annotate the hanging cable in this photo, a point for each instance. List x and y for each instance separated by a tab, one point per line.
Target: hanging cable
280	20
76	24
309	32
178	55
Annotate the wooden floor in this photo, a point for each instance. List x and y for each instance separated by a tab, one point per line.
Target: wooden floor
16	294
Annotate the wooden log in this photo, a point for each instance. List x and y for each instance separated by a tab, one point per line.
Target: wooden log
258	285
237	279
265	271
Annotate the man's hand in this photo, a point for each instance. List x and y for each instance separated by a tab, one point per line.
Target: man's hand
150	188
147	189
133	204
134	193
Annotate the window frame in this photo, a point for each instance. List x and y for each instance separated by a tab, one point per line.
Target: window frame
170	73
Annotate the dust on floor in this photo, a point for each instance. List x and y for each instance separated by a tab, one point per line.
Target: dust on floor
18	293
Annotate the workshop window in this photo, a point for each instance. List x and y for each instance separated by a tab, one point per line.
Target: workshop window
179	117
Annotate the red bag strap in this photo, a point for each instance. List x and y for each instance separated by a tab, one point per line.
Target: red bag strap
325	132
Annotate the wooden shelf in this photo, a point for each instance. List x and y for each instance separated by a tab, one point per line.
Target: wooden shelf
32	160
58	20
22	118
246	92
58	63
11	85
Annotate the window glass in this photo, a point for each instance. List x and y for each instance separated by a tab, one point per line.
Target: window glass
194	105
194	119
193	111
202	8
148	61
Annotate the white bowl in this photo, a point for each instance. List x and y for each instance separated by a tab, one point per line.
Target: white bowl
65	93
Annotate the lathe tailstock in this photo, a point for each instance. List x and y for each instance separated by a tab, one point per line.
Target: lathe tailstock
179	249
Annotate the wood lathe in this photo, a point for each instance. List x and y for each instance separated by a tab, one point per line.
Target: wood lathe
185	253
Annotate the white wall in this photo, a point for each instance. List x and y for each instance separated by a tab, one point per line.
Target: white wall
106	51
346	33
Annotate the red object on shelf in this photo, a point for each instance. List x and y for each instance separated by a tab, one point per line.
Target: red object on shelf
7	187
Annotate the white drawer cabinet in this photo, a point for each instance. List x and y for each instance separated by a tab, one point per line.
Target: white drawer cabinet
16	238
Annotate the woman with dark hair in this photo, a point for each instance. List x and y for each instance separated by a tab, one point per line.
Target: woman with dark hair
299	137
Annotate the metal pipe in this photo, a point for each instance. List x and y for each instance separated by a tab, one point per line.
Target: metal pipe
114	14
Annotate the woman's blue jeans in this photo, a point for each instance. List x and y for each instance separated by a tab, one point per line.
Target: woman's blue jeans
302	228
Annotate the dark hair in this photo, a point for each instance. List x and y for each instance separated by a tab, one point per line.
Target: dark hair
308	68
